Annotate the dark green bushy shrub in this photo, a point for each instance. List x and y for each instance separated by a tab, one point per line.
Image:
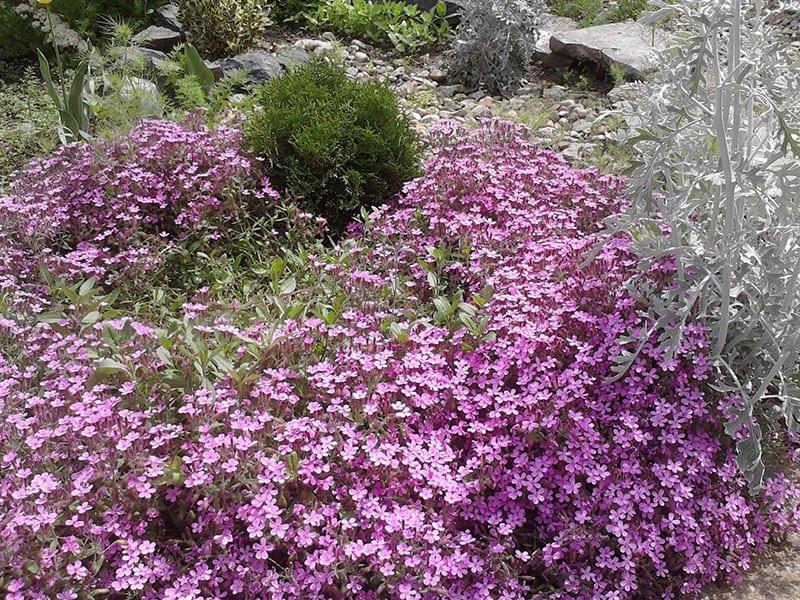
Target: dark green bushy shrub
286	10
335	143
17	37
90	16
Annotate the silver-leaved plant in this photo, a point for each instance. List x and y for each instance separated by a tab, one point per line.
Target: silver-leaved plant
717	189
495	42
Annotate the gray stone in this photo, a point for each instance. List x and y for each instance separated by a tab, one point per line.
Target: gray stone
146	90
314	45
151	58
571	152
291	57
628	45
260	65
169	16
438	75
554	93
157	38
582	126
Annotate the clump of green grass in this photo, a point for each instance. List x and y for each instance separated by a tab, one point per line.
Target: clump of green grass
28	123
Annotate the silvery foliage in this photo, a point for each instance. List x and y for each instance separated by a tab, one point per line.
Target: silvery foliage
495	42
718	188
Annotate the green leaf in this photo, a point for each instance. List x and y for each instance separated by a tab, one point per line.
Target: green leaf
51	317
109	367
44	68
75	105
91	318
293	463
86	286
197	67
288	286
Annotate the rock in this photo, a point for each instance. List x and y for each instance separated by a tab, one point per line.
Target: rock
438	75
40	19
291	57
313	45
151	58
582	126
628	45
134	86
571	152
260	65
580	112
361	57
157	38
486	101
554	93
169	16
448	91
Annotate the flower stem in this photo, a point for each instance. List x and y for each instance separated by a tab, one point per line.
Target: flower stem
58	54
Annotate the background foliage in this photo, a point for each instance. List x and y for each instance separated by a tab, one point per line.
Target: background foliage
224	27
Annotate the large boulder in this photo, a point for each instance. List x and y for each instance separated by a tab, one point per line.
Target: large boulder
169	16
260	65
629	45
158	38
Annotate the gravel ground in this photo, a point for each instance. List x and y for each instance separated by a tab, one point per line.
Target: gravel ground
776	576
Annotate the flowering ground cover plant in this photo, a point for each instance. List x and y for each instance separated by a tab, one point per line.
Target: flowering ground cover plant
426	413
106	210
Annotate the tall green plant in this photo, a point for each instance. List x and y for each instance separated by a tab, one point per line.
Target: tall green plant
717	190
72	109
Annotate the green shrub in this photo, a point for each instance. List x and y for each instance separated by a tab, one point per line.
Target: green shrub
224	27
17	38
401	25
598	12
28	123
289	10
335	143
90	16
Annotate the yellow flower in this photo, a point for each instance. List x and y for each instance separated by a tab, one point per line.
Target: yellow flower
45	2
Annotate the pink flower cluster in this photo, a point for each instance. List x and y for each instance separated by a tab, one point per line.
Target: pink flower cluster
106	209
391	451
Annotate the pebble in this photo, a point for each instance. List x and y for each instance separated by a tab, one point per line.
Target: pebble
556	92
581	126
438	76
